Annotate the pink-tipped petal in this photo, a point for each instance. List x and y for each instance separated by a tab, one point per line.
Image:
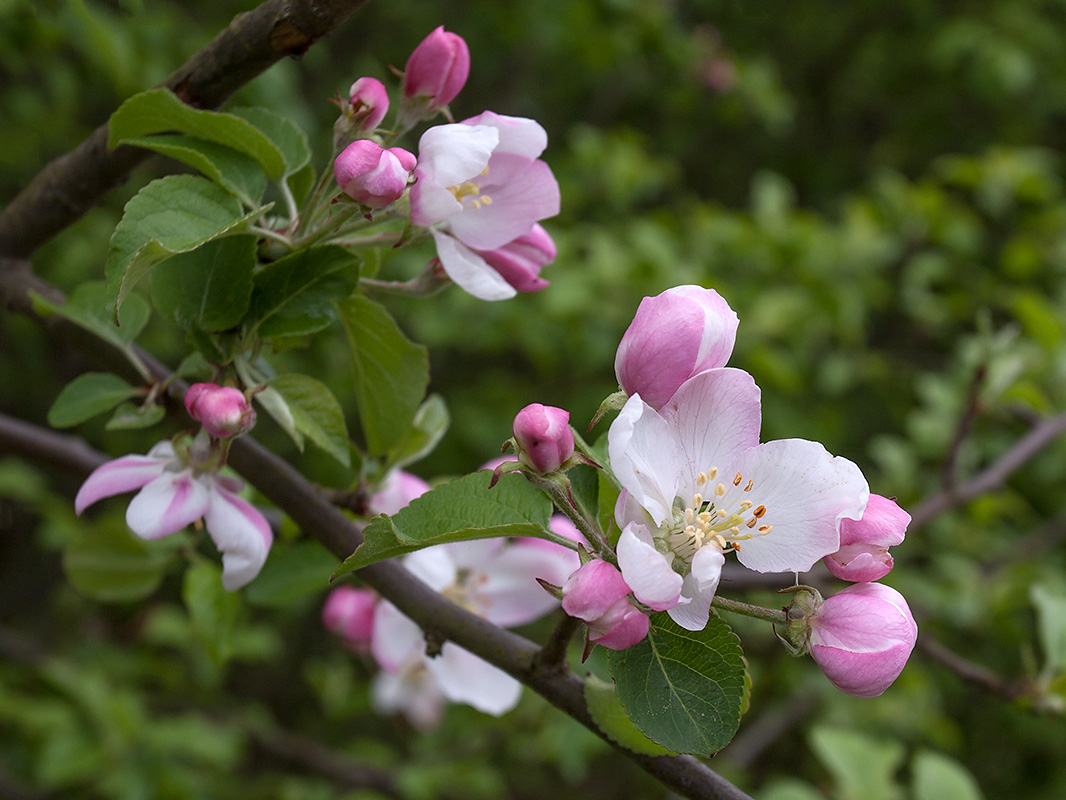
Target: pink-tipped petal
117	477
167	504
508	593
240	533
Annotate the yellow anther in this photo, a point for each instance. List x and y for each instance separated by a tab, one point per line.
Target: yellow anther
701	479
722	513
737	480
757	513
486	200
745	505
765	529
748	487
697	500
712	474
719	490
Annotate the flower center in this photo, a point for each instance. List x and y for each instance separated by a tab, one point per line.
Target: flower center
725	517
465	591
471	190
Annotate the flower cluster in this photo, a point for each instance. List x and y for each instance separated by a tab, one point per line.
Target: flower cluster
479	186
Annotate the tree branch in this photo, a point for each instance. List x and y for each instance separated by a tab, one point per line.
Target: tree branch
972	673
73	183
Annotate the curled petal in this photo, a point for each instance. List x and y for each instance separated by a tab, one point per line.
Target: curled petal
471	271
167	504
116	477
647	571
644	454
699	587
240	533
518	135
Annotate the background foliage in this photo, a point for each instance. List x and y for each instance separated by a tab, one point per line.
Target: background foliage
877	190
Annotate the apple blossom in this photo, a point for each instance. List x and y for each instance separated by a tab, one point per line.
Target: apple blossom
176	490
437	69
862	637
598	595
479	187
543	437
223	410
373	176
697	484
864	543
673	336
349	613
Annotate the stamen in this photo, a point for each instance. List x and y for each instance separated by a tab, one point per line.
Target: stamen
697	500
722	513
748	487
737	480
719	490
751	523
745	505
765	529
757	513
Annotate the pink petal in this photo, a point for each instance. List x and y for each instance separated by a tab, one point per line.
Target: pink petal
240	533
116	477
465	678
507	592
471	271
806	492
644	454
647	571
631	630
167	504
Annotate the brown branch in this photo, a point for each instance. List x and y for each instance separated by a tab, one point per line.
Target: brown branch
253	41
1039	436
553	654
972	673
962	431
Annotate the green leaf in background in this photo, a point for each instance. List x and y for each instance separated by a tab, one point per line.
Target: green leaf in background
302	182
231	169
391	372
606	710
429	425
1051	626
285	135
862	766
295	295
129	417
86	307
161	111
585	486
937	777
171	215
111	565
315	413
86	396
683	689
459	511
208	288
213	611
290	574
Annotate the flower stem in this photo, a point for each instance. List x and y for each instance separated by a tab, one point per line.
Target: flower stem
758	612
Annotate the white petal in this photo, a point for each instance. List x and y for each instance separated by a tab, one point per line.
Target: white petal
465	678
433	566
507	592
518	135
699	586
395	638
644	456
646	570
452	154
471	271
807	492
167	504
475	554
240	533
717	415
627	509
116	477
412	691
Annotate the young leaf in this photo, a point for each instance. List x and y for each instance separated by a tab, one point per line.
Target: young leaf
209	288
291	574
236	172
213	611
302	182
862	765
1051	625
128	416
459	511
295	294
86	396
161	111
290	141
171	215
86	307
608	714
315	413
112	565
937	777
683	688
391	372
429	425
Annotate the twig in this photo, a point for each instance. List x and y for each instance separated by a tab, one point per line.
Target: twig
973	673
962	432
56	450
767	728
553	654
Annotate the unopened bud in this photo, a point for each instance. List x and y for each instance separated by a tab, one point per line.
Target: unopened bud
437	69
543	437
373	176
222	410
597	594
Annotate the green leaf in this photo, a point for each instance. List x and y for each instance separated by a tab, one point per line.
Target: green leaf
111	565
86	396
301	183
862	766
608	714
286	136
937	777
459	511
315	413
234	171
1051	626
210	287
683	688
391	372
86	307
171	215
291	574
161	111
295	294
585	486
429	425
128	417
213	611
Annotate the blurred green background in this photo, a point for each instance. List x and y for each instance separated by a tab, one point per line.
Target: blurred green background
876	189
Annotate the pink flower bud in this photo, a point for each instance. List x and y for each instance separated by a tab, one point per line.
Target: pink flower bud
597	594
864	543
368	103
222	410
862	638
372	176
543	436
437	69
349	613
680	333
520	261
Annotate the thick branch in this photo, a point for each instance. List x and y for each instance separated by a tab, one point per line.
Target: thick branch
253	41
